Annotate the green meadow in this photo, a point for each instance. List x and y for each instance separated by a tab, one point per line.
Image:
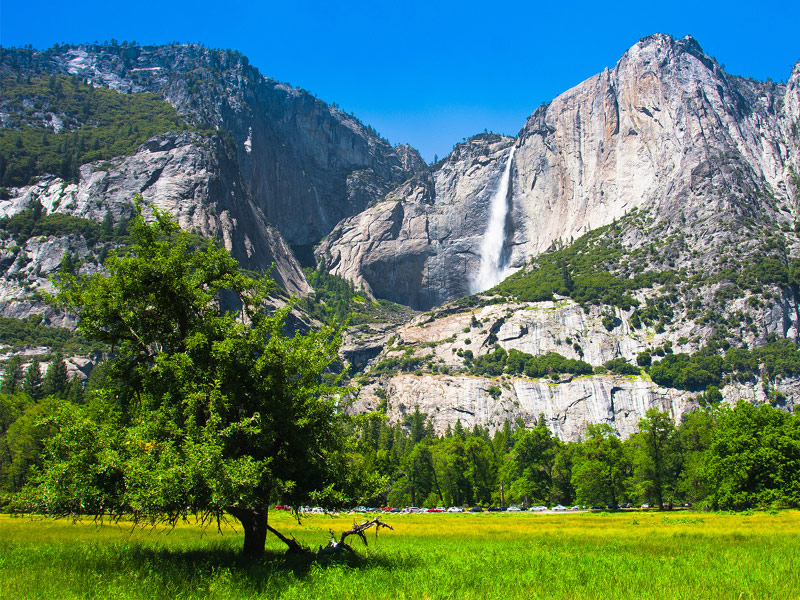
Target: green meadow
626	555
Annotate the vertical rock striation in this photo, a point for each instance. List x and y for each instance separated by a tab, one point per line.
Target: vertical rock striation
666	128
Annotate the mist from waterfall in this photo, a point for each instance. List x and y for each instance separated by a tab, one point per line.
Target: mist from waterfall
492	270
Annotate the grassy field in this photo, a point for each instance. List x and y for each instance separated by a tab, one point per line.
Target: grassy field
463	556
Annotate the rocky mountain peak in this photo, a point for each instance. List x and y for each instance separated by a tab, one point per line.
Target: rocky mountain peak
665	128
306	164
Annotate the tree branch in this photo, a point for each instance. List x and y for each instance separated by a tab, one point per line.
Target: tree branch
357	529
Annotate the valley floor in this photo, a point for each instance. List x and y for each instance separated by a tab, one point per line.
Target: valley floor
636	555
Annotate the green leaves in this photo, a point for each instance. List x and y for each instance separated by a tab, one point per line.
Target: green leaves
754	457
209	405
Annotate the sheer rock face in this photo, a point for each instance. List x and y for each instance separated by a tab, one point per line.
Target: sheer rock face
421	245
568	407
665	128
296	153
569	403
284	169
187	175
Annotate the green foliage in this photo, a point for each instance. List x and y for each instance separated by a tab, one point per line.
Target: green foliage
688	371
31	222
335	300
406	364
491	364
519	363
12	376
777	358
199	412
583	271
620	366
30	331
655	458
32	381
55	381
754	457
600	468
97	124
22	445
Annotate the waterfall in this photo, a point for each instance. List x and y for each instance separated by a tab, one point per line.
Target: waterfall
492	270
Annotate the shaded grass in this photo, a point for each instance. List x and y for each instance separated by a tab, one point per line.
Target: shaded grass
643	555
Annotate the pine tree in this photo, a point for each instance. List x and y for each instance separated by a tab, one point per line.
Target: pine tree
32	384
107	227
12	376
55	380
458	430
75	390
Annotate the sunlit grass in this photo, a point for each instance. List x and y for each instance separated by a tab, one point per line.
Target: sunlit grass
630	555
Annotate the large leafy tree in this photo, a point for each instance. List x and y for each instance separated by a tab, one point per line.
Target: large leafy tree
754	458
203	410
655	458
600	468
531	465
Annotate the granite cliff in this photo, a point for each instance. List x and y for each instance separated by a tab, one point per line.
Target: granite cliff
661	195
666	129
652	210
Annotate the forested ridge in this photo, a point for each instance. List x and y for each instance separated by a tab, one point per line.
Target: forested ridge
57	123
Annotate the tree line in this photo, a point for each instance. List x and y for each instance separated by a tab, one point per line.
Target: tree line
718	457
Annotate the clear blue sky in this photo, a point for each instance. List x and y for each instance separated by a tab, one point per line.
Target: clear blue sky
426	75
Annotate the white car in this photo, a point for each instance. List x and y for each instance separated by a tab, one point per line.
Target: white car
455	509
559	507
513	509
537	508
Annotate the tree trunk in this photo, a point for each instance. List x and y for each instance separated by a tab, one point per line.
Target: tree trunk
254	523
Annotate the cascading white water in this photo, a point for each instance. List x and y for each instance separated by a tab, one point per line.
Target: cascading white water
492	271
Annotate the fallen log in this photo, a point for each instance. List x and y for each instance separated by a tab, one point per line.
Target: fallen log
335	546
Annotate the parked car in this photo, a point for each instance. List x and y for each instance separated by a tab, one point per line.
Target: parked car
455	509
495	509
513	509
645	505
476	509
577	507
537	508
559	507
434	510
